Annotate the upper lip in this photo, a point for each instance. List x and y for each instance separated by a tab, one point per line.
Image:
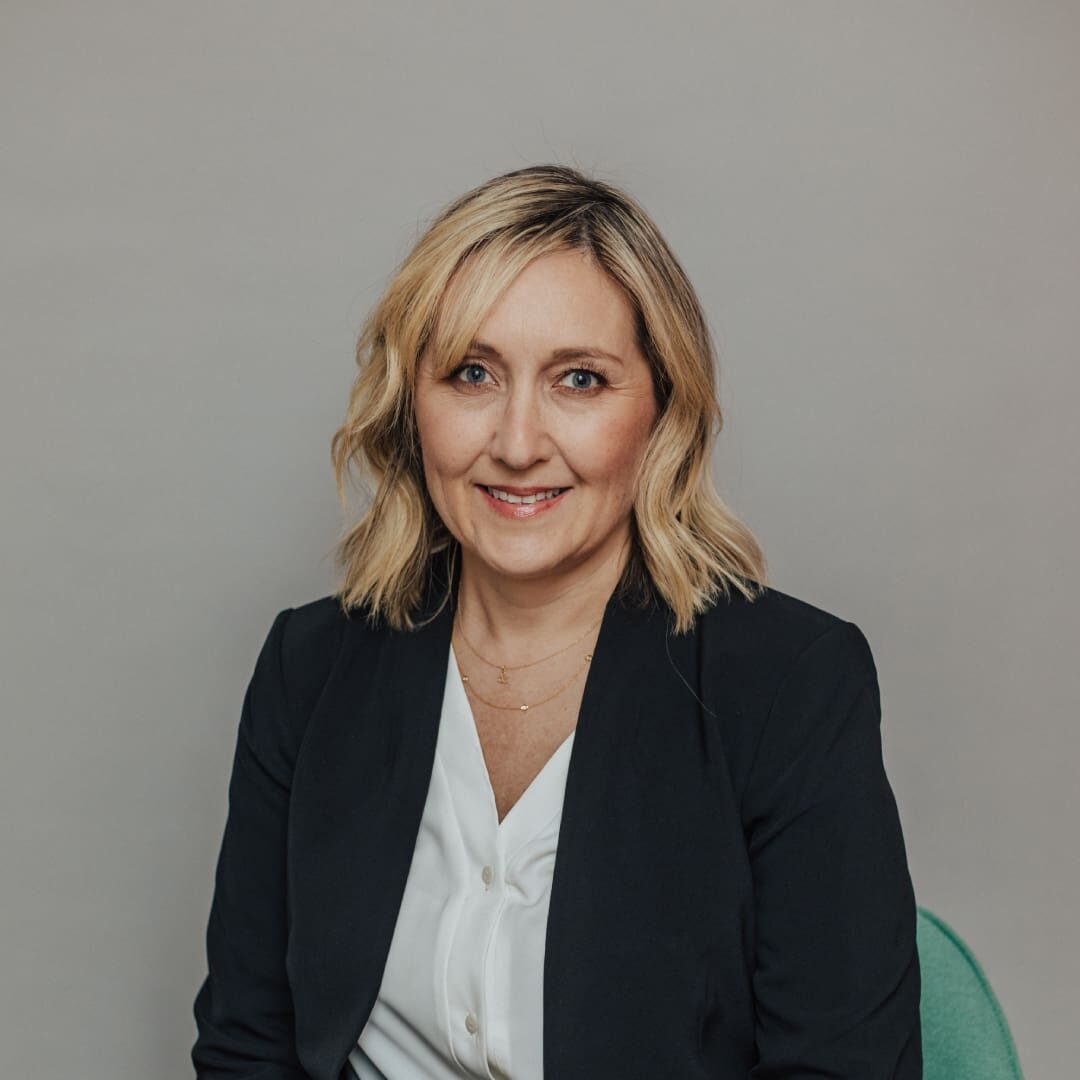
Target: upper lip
524	490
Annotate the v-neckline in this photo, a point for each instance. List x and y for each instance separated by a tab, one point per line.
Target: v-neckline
531	810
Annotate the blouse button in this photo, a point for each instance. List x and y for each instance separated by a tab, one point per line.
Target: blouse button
470	1023
487	874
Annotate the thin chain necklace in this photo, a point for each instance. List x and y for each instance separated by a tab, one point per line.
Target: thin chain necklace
523	707
504	668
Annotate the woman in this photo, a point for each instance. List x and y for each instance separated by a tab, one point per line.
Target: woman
555	784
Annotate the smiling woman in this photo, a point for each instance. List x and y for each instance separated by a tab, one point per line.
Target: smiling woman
524	425
542	296
554	784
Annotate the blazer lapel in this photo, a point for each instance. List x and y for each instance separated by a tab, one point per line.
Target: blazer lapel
358	795
602	761
359	790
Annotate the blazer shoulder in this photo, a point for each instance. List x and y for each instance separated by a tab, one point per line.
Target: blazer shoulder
777	627
778	664
311	639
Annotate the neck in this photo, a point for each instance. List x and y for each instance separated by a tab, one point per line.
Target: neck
516	618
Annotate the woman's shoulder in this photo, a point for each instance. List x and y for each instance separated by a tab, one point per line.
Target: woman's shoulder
775	628
311	637
784	674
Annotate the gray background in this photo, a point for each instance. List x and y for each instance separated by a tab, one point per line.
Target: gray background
880	207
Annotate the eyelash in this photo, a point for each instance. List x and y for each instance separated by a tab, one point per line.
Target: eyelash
574	390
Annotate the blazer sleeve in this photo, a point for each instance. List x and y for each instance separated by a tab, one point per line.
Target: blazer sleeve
836	979
243	1010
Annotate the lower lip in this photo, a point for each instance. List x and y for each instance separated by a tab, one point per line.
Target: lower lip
520	511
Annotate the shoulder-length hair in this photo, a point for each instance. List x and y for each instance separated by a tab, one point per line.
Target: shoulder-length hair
687	547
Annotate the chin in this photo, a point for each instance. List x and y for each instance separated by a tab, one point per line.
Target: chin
523	566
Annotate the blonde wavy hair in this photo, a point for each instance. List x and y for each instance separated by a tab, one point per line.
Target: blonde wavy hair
687	547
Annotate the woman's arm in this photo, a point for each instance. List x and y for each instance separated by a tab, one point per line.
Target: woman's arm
243	1010
837	980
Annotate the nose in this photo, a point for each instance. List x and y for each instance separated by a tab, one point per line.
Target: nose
520	435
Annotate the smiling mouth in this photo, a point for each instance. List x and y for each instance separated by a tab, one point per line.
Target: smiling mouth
523	500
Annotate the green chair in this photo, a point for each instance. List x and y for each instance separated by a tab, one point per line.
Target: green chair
964	1033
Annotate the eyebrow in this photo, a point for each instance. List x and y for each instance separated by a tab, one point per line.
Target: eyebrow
567	352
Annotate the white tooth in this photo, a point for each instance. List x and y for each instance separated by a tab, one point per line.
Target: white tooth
526	499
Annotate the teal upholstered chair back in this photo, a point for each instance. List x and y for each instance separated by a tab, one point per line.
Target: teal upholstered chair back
964	1033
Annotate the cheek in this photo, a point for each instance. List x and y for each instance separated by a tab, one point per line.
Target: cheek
444	440
612	455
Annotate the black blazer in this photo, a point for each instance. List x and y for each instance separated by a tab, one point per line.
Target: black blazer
731	895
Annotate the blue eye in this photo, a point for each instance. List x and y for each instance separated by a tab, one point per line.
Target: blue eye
468	367
586	372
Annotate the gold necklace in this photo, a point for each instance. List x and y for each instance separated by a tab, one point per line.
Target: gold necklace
525	707
504	668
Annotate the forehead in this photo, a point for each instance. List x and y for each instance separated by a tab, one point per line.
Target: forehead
559	299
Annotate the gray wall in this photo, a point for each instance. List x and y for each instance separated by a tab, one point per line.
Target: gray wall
880	206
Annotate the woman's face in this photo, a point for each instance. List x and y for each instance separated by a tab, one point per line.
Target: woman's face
534	406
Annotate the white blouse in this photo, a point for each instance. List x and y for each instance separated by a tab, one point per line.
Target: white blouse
462	992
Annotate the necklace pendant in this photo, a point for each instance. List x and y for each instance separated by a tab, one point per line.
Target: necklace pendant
524	708
502	676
